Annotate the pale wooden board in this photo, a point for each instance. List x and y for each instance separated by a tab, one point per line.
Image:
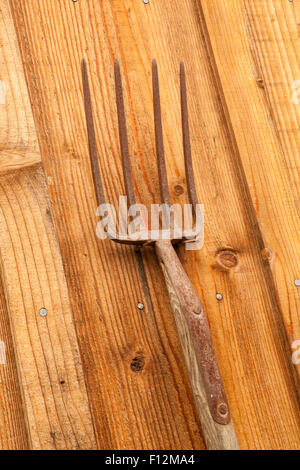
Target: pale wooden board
43	372
154	408
18	141
49	364
13	433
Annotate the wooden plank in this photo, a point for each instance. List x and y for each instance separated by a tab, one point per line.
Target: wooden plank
47	353
56	410
13	434
15	127
268	155
153	408
18	141
274	28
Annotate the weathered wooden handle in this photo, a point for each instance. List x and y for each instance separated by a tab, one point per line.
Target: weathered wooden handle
198	350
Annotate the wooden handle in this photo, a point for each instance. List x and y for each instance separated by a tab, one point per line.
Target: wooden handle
198	350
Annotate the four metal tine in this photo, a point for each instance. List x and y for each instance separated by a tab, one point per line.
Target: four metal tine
184	299
124	148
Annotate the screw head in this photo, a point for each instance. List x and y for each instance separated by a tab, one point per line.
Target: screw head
297	282
146	1
43	312
140	306
219	297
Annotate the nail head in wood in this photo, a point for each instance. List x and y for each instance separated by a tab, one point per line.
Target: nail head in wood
140	306
297	282
219	297
43	312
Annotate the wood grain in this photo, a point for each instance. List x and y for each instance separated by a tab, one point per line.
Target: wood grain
13	433
151	406
274	29
18	140
44	351
48	359
17	145
274	34
264	155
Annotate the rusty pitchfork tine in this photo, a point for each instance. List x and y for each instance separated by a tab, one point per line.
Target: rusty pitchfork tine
162	172
129	188
185	302
189	171
91	136
160	152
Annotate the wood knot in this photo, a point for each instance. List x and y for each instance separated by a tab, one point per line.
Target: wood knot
266	254
178	190
137	364
227	260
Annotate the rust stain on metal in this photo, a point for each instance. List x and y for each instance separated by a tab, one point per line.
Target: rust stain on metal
123	137
91	136
162	172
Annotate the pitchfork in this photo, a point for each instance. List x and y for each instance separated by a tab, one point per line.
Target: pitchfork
192	325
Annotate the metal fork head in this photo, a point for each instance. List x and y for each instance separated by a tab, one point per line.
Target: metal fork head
127	173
